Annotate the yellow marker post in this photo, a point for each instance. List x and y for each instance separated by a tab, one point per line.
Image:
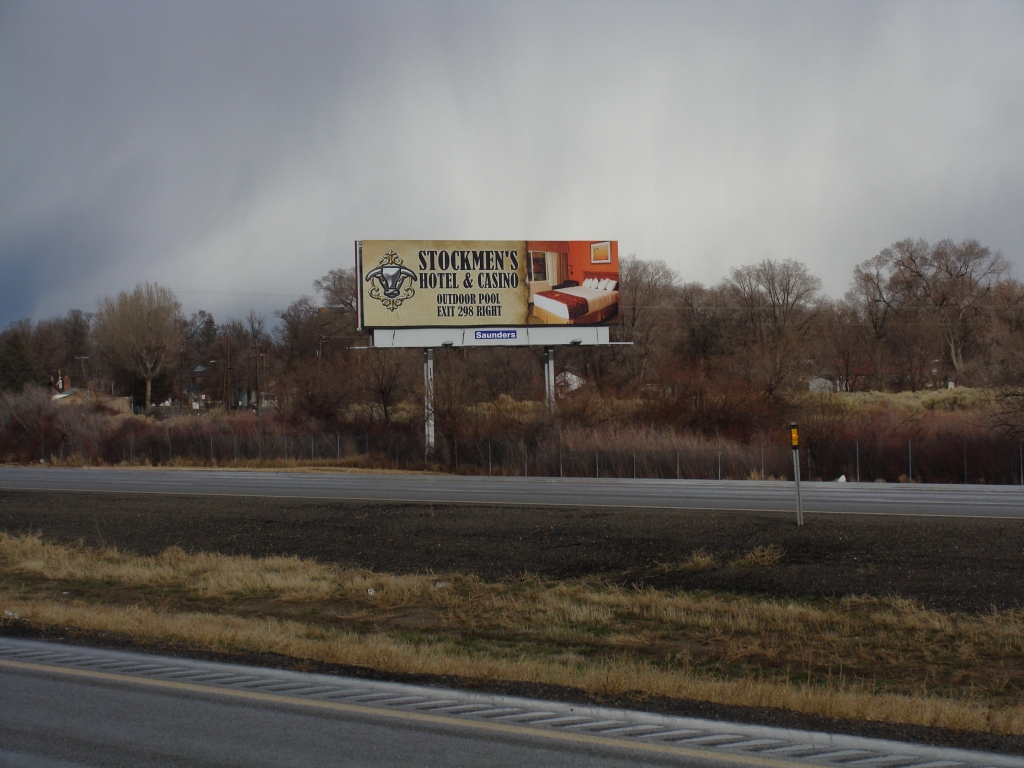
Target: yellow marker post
794	438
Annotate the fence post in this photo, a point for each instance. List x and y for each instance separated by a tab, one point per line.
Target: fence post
311	457
965	461
634	465
719	462
526	460
337	438
488	458
677	465
857	444
762	462
211	449
560	461
910	463
597	465
131	448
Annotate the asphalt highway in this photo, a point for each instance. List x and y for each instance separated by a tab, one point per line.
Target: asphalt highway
841	498
47	719
65	706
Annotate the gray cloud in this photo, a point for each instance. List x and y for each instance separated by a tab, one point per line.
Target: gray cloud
233	151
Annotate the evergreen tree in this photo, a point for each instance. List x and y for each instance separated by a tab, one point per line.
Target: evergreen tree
16	365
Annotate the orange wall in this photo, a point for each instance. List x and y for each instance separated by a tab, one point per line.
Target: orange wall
579	259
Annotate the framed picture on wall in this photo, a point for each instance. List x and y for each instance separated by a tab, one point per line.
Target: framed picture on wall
601	253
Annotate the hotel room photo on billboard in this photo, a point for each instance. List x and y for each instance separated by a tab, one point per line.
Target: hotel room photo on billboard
443	283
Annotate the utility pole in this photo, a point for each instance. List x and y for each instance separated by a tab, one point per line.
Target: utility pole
227	375
85	377
794	438
256	346
181	380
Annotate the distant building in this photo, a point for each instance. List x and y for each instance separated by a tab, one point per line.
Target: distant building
821	385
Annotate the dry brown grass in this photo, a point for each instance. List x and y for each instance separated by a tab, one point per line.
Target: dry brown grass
762	557
698	560
853	658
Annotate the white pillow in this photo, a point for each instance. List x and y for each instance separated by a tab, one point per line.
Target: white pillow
589	282
605	285
613	284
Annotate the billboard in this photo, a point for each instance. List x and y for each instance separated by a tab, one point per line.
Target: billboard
466	283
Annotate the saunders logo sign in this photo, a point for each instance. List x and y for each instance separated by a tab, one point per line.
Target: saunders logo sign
431	283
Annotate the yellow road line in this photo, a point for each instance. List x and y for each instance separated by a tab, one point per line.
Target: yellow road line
567	505
412	717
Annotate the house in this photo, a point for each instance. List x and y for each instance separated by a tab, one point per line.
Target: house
821	385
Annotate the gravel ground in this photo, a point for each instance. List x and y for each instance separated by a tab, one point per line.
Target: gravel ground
967	565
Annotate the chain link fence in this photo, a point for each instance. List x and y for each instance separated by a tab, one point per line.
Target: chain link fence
950	460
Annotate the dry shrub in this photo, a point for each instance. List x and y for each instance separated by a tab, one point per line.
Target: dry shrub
700	559
761	557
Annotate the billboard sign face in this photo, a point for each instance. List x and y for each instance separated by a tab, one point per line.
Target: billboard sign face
502	283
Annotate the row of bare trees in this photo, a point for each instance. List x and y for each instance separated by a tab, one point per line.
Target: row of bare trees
916	315
703	358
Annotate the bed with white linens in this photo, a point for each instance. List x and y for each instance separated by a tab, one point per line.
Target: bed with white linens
594	301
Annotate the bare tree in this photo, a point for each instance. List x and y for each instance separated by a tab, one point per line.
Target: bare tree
1004	335
300	333
915	295
951	279
503	371
254	326
139	331
702	329
339	289
841	348
383	374
776	305
197	329
646	293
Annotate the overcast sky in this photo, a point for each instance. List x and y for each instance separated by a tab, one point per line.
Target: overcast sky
234	150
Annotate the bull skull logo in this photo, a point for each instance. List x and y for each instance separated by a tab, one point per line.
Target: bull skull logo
389	281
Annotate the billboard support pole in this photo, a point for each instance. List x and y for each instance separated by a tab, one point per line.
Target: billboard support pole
428	405
549	378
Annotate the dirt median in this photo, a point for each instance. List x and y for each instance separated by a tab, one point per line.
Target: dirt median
966	565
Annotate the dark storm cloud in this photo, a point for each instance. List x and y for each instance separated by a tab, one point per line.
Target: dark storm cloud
235	150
